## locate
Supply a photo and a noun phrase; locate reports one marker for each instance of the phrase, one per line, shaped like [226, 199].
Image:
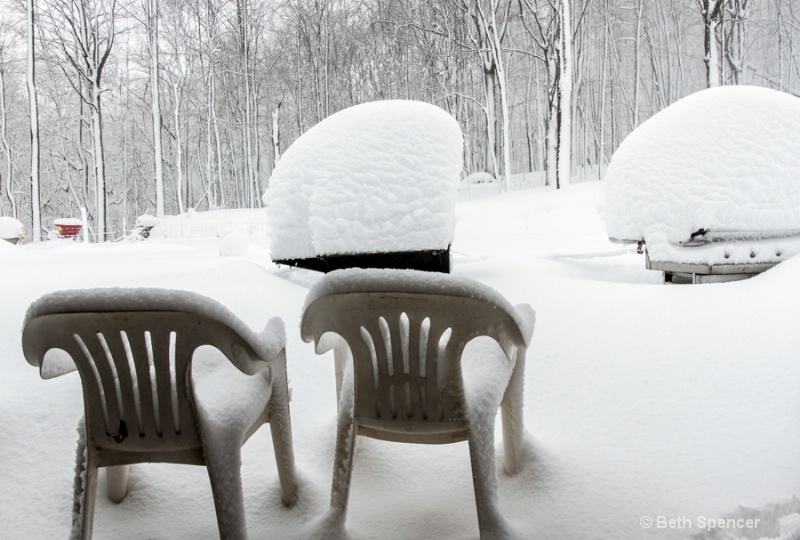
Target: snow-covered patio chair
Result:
[398, 338]
[133, 349]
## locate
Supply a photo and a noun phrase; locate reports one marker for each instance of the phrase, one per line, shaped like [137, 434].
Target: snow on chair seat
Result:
[398, 338]
[133, 349]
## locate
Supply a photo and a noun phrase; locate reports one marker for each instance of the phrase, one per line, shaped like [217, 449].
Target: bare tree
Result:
[151, 11]
[276, 134]
[565, 95]
[86, 31]
[490, 24]
[7, 183]
[542, 23]
[36, 231]
[735, 39]
[711, 12]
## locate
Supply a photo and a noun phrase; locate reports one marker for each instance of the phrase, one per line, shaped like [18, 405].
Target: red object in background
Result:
[68, 231]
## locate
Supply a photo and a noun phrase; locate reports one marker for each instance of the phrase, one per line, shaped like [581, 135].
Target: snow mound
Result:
[476, 185]
[68, 222]
[723, 159]
[375, 178]
[267, 344]
[147, 220]
[11, 228]
[233, 243]
[775, 521]
[479, 178]
[209, 224]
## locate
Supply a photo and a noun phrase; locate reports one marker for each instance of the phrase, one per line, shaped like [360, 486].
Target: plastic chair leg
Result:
[484, 477]
[280, 425]
[511, 410]
[346, 434]
[84, 490]
[227, 491]
[117, 479]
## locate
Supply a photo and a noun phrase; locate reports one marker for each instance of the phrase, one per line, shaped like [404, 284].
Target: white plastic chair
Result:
[404, 332]
[133, 349]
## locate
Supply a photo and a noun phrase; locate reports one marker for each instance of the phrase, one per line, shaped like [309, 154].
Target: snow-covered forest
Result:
[127, 107]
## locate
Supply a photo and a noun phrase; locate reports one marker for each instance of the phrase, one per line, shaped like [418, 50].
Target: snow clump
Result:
[374, 178]
[723, 159]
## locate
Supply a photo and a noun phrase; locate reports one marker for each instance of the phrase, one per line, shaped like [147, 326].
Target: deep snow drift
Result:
[11, 228]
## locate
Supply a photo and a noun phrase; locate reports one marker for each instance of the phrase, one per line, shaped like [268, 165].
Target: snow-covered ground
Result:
[650, 409]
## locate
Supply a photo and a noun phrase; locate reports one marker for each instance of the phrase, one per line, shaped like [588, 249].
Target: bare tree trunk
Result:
[155, 102]
[248, 126]
[495, 38]
[36, 231]
[214, 188]
[601, 150]
[487, 41]
[711, 10]
[736, 39]
[276, 134]
[565, 97]
[86, 34]
[529, 128]
[211, 177]
[779, 11]
[99, 166]
[177, 97]
[8, 184]
[637, 61]
[545, 31]
[551, 139]
[491, 122]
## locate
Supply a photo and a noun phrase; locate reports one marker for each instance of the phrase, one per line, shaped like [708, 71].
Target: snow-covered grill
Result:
[719, 258]
[708, 187]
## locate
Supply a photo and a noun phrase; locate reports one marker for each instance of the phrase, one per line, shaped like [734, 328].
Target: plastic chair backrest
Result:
[135, 372]
[407, 348]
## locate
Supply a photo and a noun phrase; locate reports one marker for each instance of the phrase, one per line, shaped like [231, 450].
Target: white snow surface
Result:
[11, 228]
[374, 178]
[417, 281]
[765, 251]
[67, 221]
[642, 400]
[147, 220]
[267, 344]
[723, 159]
[208, 224]
[479, 178]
